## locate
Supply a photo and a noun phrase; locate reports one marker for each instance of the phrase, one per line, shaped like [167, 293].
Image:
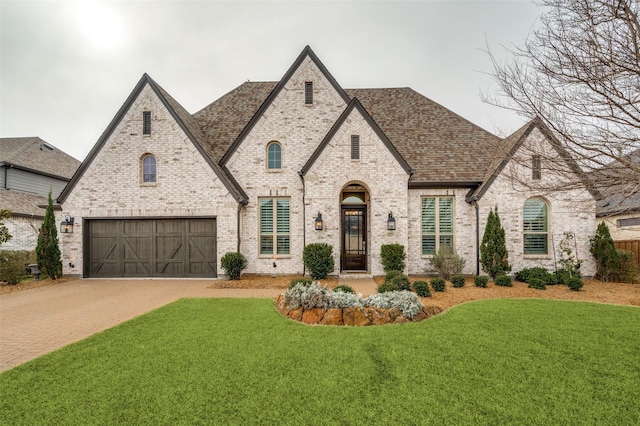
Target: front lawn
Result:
[237, 361]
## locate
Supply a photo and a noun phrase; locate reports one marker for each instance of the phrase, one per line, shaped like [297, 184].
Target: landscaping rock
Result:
[380, 316]
[355, 316]
[333, 316]
[313, 315]
[296, 314]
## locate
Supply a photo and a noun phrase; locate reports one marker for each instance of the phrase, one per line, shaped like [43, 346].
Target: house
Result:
[273, 166]
[30, 168]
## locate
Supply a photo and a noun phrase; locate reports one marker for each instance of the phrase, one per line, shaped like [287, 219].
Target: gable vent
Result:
[355, 147]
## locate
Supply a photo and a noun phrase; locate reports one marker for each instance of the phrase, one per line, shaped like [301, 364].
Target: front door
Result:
[354, 238]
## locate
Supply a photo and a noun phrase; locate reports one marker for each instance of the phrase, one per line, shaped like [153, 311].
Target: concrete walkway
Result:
[38, 321]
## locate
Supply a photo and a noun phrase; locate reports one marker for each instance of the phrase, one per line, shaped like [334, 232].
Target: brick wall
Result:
[24, 232]
[112, 185]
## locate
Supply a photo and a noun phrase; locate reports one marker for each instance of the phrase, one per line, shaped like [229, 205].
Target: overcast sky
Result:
[67, 67]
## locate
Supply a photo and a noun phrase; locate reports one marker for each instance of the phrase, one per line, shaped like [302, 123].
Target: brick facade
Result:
[24, 233]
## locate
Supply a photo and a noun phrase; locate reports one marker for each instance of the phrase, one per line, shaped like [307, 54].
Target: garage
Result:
[171, 248]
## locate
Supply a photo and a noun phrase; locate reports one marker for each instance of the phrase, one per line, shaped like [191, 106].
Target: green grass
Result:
[237, 361]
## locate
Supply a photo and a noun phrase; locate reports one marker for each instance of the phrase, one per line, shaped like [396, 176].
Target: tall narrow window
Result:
[146, 123]
[149, 169]
[355, 147]
[274, 156]
[536, 227]
[274, 226]
[536, 167]
[437, 224]
[308, 92]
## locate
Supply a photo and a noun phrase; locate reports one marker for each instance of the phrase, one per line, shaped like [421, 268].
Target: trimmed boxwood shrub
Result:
[392, 257]
[318, 258]
[457, 281]
[574, 283]
[344, 289]
[401, 281]
[437, 284]
[537, 283]
[422, 289]
[302, 281]
[234, 263]
[387, 286]
[481, 281]
[504, 281]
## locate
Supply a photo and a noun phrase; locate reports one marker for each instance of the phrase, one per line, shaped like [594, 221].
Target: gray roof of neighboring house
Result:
[22, 204]
[440, 146]
[617, 199]
[38, 156]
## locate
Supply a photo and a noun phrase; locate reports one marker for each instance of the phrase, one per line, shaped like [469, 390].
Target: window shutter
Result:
[446, 215]
[266, 216]
[355, 147]
[428, 215]
[146, 123]
[535, 216]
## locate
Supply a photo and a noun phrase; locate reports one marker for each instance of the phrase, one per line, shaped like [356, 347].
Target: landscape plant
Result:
[318, 259]
[457, 281]
[438, 284]
[503, 281]
[446, 262]
[567, 256]
[392, 257]
[344, 288]
[537, 283]
[4, 231]
[48, 250]
[421, 288]
[574, 283]
[494, 256]
[605, 253]
[481, 281]
[234, 263]
[13, 265]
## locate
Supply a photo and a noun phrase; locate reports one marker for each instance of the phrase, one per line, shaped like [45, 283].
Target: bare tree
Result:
[579, 74]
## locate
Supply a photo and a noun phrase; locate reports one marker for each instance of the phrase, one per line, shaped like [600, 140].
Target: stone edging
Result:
[359, 316]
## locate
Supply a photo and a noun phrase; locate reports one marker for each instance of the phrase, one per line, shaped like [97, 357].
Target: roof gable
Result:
[186, 122]
[306, 52]
[356, 105]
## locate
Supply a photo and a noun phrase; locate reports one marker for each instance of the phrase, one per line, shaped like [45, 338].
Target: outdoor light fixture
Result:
[391, 223]
[319, 222]
[66, 226]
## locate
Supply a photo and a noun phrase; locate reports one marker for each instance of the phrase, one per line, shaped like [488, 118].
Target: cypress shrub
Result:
[493, 250]
[48, 250]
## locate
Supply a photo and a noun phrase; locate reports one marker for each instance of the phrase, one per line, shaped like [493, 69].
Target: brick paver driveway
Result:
[38, 321]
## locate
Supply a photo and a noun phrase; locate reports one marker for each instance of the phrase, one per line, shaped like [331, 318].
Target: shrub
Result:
[318, 258]
[387, 286]
[392, 257]
[13, 265]
[402, 282]
[446, 263]
[457, 281]
[437, 284]
[504, 281]
[574, 283]
[389, 276]
[47, 249]
[494, 256]
[481, 281]
[406, 301]
[234, 263]
[604, 252]
[627, 269]
[307, 296]
[340, 299]
[537, 283]
[422, 289]
[344, 289]
[527, 273]
[302, 281]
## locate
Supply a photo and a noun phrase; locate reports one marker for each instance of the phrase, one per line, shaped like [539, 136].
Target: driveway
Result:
[38, 321]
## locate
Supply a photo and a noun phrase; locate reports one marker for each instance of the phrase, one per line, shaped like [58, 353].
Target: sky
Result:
[66, 67]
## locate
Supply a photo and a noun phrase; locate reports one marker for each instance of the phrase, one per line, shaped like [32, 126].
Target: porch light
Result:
[319, 222]
[391, 223]
[66, 226]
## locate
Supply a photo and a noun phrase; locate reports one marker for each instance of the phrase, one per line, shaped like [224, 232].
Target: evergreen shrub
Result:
[574, 283]
[438, 284]
[503, 281]
[387, 286]
[318, 259]
[344, 289]
[234, 263]
[422, 289]
[481, 281]
[300, 280]
[494, 256]
[457, 281]
[13, 265]
[537, 283]
[402, 282]
[392, 257]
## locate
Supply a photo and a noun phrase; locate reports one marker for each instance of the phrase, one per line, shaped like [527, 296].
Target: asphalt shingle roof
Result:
[22, 203]
[35, 154]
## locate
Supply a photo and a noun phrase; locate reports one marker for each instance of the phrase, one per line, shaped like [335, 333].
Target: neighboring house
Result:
[30, 168]
[273, 166]
[619, 207]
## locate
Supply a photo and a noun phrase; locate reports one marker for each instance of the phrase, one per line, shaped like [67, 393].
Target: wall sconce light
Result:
[319, 224]
[66, 226]
[391, 223]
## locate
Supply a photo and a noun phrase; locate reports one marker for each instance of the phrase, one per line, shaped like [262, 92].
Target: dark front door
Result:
[354, 238]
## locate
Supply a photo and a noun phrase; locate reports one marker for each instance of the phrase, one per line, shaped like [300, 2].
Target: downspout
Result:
[241, 204]
[304, 219]
[475, 205]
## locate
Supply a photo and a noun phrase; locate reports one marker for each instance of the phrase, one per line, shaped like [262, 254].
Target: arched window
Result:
[274, 156]
[148, 168]
[536, 226]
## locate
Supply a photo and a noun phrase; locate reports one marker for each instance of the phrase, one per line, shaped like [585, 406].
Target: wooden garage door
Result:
[151, 248]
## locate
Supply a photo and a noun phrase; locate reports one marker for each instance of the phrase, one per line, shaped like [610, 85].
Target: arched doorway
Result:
[353, 200]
